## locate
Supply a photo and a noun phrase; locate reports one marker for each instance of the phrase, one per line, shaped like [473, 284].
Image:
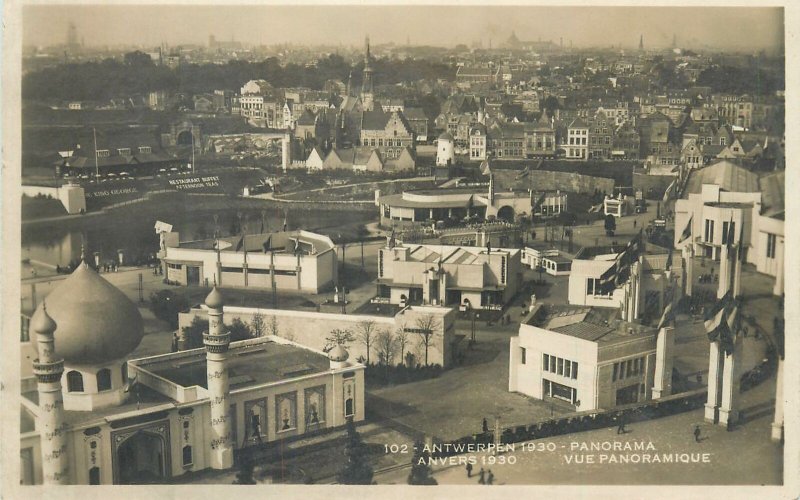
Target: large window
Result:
[104, 380]
[560, 366]
[74, 381]
[709, 231]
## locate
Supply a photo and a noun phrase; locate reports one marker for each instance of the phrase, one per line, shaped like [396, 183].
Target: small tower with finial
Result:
[367, 95]
[216, 342]
[48, 368]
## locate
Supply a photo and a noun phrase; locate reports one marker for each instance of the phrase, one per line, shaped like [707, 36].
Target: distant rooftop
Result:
[248, 365]
[594, 324]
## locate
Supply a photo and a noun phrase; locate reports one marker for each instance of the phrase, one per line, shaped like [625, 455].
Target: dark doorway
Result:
[192, 275]
[94, 475]
[141, 459]
[506, 213]
[184, 138]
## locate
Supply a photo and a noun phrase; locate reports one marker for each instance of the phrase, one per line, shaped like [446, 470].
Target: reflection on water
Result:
[135, 236]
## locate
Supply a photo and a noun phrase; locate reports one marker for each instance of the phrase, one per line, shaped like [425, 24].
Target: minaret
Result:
[48, 368]
[367, 96]
[286, 150]
[216, 341]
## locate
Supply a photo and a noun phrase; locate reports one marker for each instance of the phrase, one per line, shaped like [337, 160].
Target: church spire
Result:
[367, 96]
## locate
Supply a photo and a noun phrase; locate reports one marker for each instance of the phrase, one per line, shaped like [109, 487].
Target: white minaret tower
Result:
[48, 368]
[286, 150]
[216, 342]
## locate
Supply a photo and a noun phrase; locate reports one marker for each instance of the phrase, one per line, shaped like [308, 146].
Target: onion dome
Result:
[41, 322]
[215, 299]
[338, 354]
[446, 136]
[97, 323]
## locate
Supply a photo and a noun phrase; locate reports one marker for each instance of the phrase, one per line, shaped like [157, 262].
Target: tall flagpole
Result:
[96, 167]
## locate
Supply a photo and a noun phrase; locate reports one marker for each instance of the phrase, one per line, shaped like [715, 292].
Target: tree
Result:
[138, 58]
[338, 337]
[246, 468]
[193, 334]
[166, 305]
[402, 340]
[550, 105]
[366, 335]
[386, 344]
[257, 325]
[239, 330]
[610, 224]
[426, 326]
[356, 469]
[273, 326]
[420, 467]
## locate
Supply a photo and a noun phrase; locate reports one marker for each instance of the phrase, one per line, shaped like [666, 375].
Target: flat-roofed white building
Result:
[726, 193]
[474, 277]
[639, 278]
[292, 260]
[588, 358]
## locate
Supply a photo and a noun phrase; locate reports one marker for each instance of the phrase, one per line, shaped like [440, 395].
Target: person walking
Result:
[490, 478]
[481, 476]
[696, 433]
[634, 223]
[621, 426]
[469, 469]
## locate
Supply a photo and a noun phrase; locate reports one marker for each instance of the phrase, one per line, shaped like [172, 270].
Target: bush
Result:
[166, 305]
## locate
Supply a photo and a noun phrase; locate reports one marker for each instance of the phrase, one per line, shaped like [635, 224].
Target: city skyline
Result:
[150, 25]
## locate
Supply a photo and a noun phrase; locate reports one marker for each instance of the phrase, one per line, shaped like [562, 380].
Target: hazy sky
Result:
[728, 27]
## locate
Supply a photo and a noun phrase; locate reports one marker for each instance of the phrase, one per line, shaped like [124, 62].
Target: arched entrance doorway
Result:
[141, 459]
[184, 138]
[506, 213]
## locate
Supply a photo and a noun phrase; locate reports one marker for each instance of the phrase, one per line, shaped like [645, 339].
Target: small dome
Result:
[97, 323]
[42, 322]
[215, 299]
[446, 136]
[338, 354]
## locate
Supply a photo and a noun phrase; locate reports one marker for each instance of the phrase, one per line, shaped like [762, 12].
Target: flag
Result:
[728, 238]
[668, 264]
[666, 316]
[668, 191]
[713, 325]
[687, 231]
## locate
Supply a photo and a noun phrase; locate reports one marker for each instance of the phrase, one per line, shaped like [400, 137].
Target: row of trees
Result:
[138, 74]
[384, 342]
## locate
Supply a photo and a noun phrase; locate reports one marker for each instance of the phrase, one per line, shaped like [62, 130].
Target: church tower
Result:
[216, 342]
[367, 96]
[48, 368]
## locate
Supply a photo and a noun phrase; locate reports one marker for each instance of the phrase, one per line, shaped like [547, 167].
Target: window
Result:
[567, 369]
[145, 149]
[104, 380]
[771, 243]
[560, 370]
[187, 455]
[124, 371]
[709, 231]
[575, 369]
[616, 372]
[74, 381]
[522, 354]
[124, 151]
[103, 153]
[545, 362]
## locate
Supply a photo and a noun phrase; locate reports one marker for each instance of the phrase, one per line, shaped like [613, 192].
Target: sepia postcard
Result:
[326, 250]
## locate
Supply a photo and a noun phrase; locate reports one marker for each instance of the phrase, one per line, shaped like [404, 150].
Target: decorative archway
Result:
[506, 213]
[141, 456]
